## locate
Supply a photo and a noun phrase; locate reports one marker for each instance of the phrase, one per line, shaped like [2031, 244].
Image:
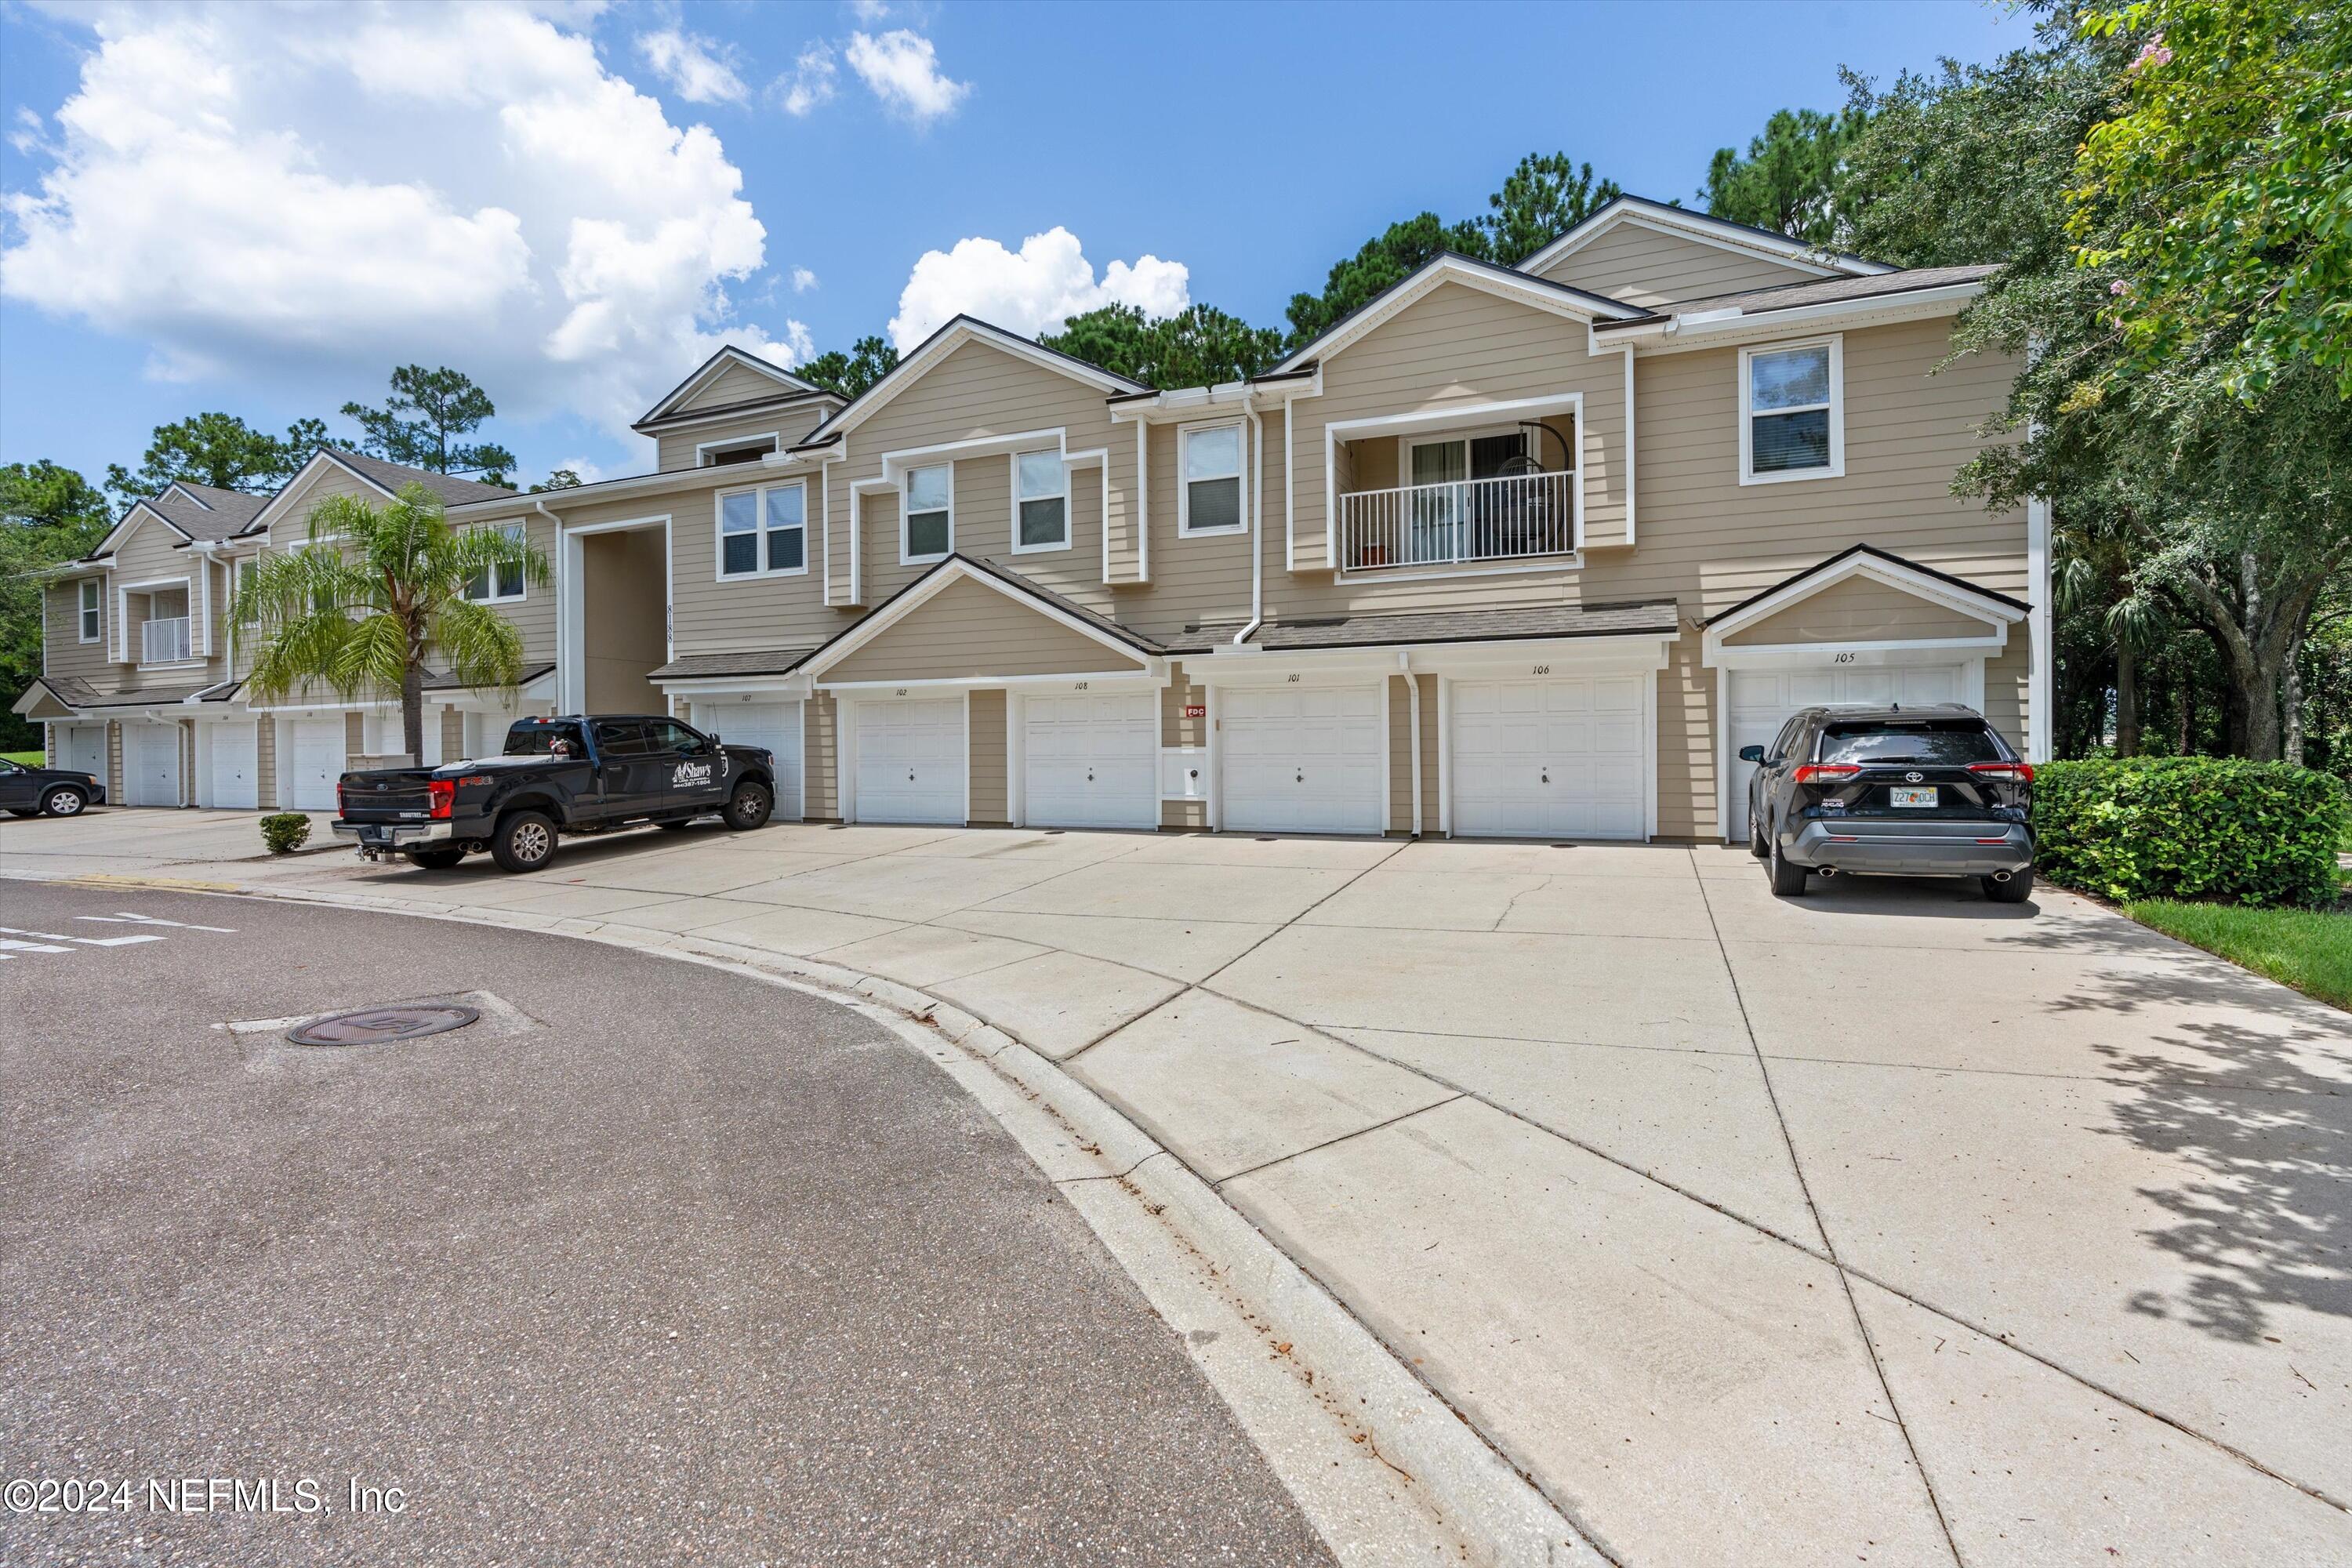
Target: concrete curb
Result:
[1386, 1471]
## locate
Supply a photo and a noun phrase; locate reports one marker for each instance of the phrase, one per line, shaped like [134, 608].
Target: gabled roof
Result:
[386, 478]
[1858, 291]
[1883, 565]
[787, 383]
[1449, 266]
[1703, 226]
[959, 331]
[959, 568]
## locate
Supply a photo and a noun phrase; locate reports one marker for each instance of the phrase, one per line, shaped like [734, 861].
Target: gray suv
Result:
[1904, 792]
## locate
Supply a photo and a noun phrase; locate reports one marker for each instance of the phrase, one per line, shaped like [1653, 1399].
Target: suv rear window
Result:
[1948, 741]
[531, 740]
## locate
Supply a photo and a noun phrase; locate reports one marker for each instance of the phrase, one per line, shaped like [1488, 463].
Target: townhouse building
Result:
[1527, 552]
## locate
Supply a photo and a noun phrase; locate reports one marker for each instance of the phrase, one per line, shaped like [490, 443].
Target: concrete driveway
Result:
[1887, 1225]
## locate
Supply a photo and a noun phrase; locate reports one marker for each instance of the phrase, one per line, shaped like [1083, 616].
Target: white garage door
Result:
[1560, 758]
[1762, 700]
[151, 765]
[776, 726]
[1302, 759]
[236, 766]
[910, 766]
[1090, 761]
[82, 748]
[313, 760]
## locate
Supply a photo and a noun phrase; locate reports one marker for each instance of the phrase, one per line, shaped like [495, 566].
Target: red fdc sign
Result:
[1196, 711]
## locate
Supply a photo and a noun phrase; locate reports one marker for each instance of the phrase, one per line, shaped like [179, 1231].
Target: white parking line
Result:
[125, 917]
[84, 941]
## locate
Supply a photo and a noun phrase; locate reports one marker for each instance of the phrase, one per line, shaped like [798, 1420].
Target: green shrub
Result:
[2189, 828]
[285, 831]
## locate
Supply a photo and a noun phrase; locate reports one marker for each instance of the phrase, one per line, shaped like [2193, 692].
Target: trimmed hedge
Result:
[2189, 828]
[285, 831]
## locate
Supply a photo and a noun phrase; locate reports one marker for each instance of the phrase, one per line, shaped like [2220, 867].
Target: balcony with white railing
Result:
[1512, 517]
[164, 641]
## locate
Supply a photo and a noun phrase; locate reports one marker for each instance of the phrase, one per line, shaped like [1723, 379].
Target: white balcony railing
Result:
[1473, 519]
[163, 642]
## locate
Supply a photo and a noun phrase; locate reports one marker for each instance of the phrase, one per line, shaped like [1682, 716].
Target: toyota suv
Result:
[1903, 792]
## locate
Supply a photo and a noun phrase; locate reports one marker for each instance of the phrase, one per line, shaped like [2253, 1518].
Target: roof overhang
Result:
[1998, 611]
[1715, 329]
[1181, 402]
[40, 701]
[1708, 229]
[1503, 282]
[138, 513]
[963, 330]
[1129, 652]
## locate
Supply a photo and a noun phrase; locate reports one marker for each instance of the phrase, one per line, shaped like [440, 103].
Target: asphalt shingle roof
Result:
[453, 491]
[765, 661]
[1472, 626]
[1815, 291]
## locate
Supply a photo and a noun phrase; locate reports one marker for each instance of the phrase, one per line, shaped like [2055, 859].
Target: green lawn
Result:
[2310, 950]
[30, 759]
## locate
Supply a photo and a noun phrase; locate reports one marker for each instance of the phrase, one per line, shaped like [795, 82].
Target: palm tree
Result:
[375, 592]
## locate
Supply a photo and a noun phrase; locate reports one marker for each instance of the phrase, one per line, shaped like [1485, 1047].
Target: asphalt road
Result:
[653, 1264]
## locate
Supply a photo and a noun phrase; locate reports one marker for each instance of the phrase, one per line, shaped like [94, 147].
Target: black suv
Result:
[1903, 792]
[53, 792]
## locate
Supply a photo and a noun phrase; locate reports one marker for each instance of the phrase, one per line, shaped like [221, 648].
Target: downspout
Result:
[1413, 717]
[1257, 522]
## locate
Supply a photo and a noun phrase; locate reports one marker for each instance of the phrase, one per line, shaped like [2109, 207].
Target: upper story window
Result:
[736, 449]
[1041, 501]
[1792, 412]
[764, 532]
[90, 597]
[1210, 500]
[503, 584]
[927, 510]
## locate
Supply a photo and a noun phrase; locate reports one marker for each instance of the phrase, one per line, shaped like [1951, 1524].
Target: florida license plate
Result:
[1926, 798]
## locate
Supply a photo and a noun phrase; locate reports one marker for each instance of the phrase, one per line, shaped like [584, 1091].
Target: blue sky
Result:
[261, 208]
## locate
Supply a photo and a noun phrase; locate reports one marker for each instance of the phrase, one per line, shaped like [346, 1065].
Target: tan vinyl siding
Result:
[735, 384]
[147, 556]
[1204, 577]
[452, 734]
[534, 615]
[1400, 702]
[984, 722]
[114, 760]
[265, 762]
[621, 601]
[1687, 797]
[354, 734]
[1859, 609]
[2006, 675]
[61, 634]
[788, 422]
[971, 631]
[1433, 741]
[820, 732]
[1642, 266]
[1181, 692]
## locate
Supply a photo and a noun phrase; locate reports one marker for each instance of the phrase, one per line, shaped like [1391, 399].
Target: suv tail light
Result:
[444, 795]
[2012, 773]
[1826, 772]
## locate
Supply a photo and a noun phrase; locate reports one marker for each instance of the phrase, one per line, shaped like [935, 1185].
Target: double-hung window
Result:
[1791, 413]
[1041, 501]
[764, 532]
[501, 582]
[89, 602]
[1210, 500]
[928, 508]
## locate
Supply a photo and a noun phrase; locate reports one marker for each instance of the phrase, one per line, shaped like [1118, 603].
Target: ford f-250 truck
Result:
[575, 773]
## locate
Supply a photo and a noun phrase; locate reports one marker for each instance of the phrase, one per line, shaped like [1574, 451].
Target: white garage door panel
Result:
[151, 765]
[82, 748]
[776, 726]
[1563, 758]
[910, 761]
[315, 761]
[1302, 759]
[1090, 761]
[1762, 700]
[236, 766]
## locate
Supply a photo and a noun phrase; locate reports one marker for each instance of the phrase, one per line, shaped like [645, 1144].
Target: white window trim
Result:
[494, 597]
[702, 449]
[906, 478]
[1063, 496]
[1184, 482]
[1835, 342]
[90, 611]
[759, 532]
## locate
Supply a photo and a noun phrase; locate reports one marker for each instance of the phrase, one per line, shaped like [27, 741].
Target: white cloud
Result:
[696, 69]
[903, 70]
[1033, 289]
[803, 280]
[811, 82]
[257, 192]
[868, 11]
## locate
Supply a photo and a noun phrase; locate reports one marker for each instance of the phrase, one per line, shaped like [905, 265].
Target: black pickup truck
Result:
[578, 774]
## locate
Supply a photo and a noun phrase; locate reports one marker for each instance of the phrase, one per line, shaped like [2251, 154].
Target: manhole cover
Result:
[377, 1025]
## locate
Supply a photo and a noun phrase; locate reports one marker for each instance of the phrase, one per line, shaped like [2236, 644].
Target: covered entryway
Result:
[236, 765]
[777, 726]
[1762, 700]
[1090, 760]
[82, 748]
[313, 760]
[1557, 758]
[1301, 759]
[910, 764]
[151, 765]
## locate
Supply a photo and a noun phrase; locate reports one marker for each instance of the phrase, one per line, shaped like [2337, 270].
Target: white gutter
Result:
[1256, 534]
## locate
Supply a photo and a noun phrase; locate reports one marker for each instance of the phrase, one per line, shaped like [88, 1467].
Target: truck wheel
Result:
[749, 806]
[1788, 881]
[434, 859]
[64, 803]
[524, 842]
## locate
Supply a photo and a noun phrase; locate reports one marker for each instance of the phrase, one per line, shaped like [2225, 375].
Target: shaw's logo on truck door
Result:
[690, 773]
